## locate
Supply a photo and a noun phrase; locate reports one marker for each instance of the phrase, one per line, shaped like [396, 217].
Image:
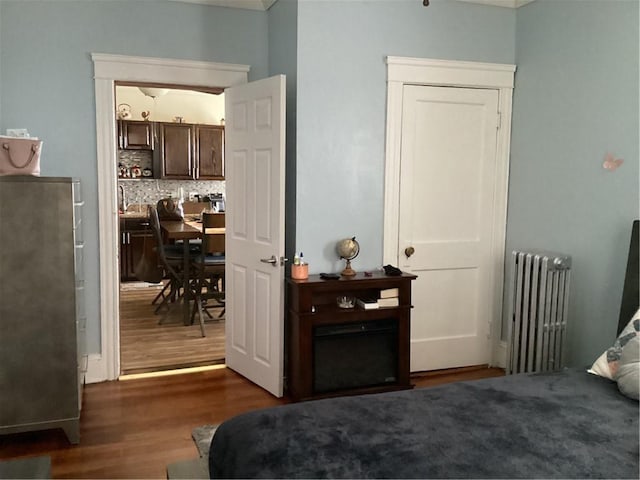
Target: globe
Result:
[348, 249]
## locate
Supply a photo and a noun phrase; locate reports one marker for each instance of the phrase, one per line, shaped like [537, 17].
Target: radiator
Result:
[538, 312]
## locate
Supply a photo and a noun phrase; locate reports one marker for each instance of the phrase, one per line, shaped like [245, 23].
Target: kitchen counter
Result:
[134, 215]
[192, 210]
[135, 211]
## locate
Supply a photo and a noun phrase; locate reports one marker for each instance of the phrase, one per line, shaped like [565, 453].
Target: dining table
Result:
[185, 231]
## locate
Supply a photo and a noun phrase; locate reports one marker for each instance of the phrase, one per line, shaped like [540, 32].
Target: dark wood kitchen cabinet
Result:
[209, 152]
[135, 135]
[176, 152]
[134, 233]
[190, 152]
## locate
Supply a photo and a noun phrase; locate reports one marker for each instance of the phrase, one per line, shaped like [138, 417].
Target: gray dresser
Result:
[42, 307]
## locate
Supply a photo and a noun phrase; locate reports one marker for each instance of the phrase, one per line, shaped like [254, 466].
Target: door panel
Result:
[262, 288]
[446, 213]
[237, 303]
[255, 230]
[264, 222]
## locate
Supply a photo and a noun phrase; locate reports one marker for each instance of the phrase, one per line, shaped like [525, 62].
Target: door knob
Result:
[273, 260]
[409, 251]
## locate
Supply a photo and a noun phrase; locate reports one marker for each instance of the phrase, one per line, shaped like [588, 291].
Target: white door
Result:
[447, 183]
[255, 174]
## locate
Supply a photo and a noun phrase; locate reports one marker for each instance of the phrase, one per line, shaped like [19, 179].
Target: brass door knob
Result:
[409, 251]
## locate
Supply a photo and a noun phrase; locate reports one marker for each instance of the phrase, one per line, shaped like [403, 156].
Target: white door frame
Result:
[403, 71]
[107, 69]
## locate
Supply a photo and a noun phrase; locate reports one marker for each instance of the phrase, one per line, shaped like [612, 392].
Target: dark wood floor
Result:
[147, 345]
[134, 428]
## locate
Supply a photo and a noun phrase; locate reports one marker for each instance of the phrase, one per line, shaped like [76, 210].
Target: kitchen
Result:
[170, 145]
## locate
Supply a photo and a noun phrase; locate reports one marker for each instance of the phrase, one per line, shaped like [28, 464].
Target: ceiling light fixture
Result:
[154, 92]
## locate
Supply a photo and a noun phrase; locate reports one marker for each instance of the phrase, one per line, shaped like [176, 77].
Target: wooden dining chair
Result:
[210, 267]
[172, 260]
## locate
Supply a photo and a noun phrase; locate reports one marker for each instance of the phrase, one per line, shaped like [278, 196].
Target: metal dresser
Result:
[42, 305]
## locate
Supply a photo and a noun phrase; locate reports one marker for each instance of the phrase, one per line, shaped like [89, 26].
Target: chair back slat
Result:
[212, 265]
[213, 243]
[213, 220]
[154, 220]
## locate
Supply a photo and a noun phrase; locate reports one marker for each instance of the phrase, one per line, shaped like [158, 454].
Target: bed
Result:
[566, 424]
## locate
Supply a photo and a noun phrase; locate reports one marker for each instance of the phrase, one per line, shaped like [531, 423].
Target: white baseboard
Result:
[96, 369]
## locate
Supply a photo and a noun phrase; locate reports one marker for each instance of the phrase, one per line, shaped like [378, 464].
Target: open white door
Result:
[255, 183]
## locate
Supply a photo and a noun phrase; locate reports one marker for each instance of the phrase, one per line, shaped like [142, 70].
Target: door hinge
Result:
[498, 121]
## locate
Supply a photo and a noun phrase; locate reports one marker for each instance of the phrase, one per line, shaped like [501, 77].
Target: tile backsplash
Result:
[139, 158]
[149, 190]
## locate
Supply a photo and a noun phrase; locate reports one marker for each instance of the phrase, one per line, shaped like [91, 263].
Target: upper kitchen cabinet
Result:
[135, 135]
[176, 154]
[190, 152]
[209, 152]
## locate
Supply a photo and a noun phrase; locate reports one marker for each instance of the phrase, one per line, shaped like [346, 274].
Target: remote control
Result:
[329, 276]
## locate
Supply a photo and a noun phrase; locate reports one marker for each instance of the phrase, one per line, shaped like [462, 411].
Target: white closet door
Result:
[447, 184]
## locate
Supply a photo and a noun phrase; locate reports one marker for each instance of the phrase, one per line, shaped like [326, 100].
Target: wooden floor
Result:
[147, 346]
[134, 428]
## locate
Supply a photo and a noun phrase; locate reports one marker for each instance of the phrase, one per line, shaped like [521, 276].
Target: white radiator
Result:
[538, 312]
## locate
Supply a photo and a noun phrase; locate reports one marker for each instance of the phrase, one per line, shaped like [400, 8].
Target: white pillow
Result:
[628, 374]
[607, 364]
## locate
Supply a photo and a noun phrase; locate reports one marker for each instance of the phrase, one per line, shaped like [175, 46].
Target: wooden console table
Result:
[328, 347]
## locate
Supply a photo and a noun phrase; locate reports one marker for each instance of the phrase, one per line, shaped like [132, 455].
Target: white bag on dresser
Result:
[20, 156]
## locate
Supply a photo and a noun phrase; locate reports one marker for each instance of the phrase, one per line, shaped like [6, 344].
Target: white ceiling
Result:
[266, 4]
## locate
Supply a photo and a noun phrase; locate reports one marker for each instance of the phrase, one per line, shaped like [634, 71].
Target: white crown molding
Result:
[421, 71]
[266, 4]
[500, 3]
[244, 4]
[145, 69]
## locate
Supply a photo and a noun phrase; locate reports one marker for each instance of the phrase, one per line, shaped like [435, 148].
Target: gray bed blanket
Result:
[568, 424]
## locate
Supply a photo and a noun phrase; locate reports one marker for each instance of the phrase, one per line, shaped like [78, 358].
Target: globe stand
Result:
[348, 271]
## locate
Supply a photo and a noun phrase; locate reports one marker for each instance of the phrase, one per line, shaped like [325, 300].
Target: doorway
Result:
[153, 336]
[107, 70]
[418, 87]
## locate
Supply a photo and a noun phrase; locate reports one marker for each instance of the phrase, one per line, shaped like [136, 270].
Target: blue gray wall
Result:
[575, 99]
[283, 59]
[342, 106]
[47, 78]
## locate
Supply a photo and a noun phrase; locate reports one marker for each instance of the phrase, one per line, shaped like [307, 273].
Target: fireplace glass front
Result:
[355, 355]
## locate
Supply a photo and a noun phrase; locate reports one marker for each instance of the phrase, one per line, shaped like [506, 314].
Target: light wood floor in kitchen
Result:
[147, 346]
